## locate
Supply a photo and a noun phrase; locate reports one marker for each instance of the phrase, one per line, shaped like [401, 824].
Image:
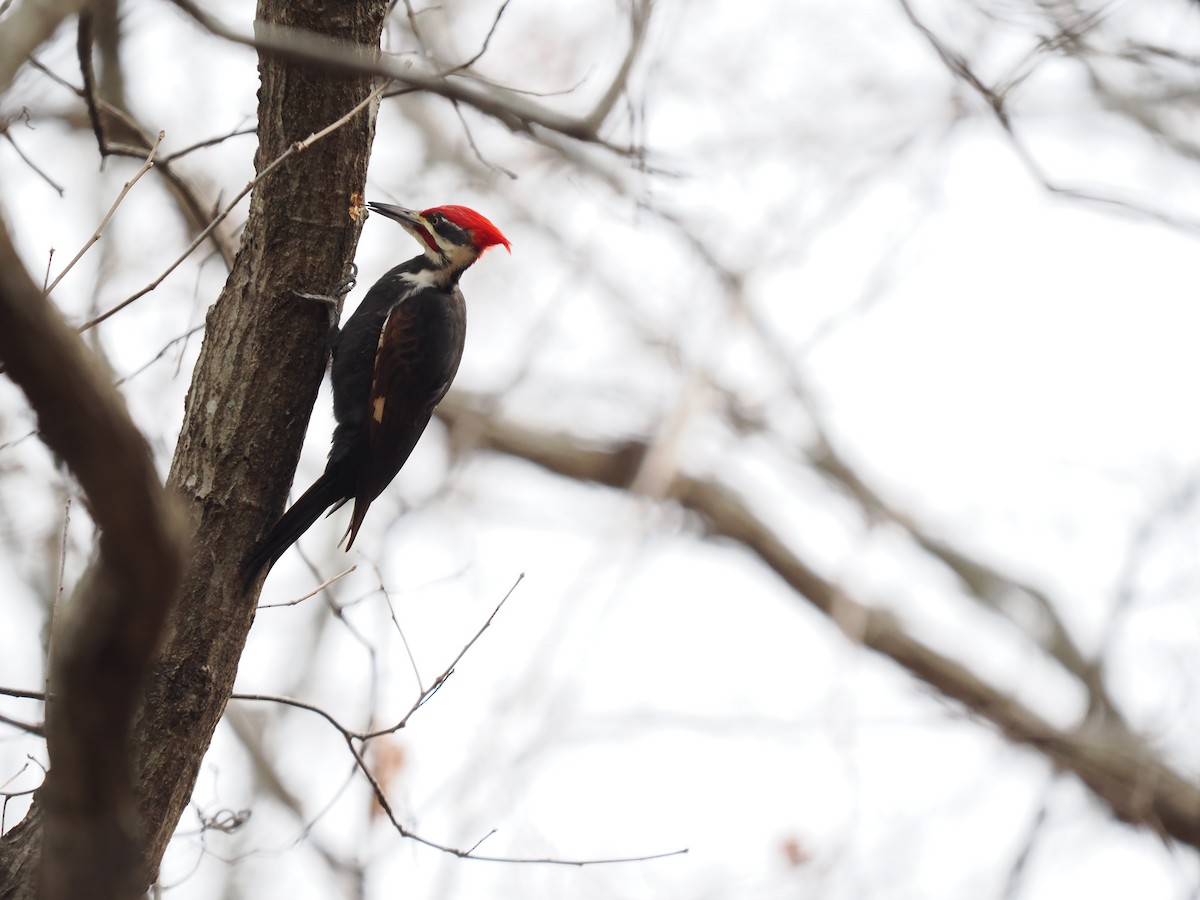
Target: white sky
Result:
[1021, 381]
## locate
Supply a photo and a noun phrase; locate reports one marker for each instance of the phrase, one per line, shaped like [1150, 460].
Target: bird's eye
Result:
[435, 218]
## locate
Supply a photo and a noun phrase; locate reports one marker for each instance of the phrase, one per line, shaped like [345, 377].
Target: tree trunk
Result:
[252, 391]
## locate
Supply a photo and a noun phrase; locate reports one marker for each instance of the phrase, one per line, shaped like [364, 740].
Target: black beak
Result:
[397, 213]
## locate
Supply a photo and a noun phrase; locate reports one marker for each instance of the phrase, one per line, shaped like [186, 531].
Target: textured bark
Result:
[247, 409]
[20, 851]
[253, 390]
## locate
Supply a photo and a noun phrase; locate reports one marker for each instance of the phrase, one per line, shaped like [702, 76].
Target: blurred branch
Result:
[516, 112]
[83, 46]
[105, 639]
[1022, 605]
[1009, 597]
[357, 741]
[1019, 871]
[427, 693]
[297, 147]
[487, 40]
[207, 142]
[6, 130]
[99, 232]
[269, 781]
[639, 18]
[1148, 110]
[26, 28]
[22, 694]
[195, 210]
[996, 99]
[1116, 764]
[29, 727]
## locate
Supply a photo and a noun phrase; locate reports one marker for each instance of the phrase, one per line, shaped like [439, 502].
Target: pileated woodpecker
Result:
[392, 364]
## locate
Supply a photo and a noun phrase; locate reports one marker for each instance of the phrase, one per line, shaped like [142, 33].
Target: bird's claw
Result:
[333, 301]
[345, 287]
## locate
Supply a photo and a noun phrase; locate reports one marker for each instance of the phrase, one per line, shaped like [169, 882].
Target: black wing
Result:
[419, 350]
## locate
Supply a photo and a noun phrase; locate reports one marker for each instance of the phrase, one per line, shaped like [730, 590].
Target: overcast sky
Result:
[1014, 369]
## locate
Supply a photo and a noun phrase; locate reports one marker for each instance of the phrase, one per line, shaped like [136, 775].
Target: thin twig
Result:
[193, 208]
[21, 694]
[495, 167]
[351, 737]
[21, 771]
[209, 142]
[487, 40]
[479, 843]
[382, 800]
[29, 162]
[320, 587]
[229, 207]
[297, 704]
[516, 114]
[104, 222]
[62, 552]
[9, 795]
[159, 355]
[412, 659]
[996, 101]
[441, 679]
[38, 730]
[423, 698]
[354, 740]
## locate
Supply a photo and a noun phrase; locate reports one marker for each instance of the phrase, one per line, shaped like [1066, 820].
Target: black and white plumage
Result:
[393, 362]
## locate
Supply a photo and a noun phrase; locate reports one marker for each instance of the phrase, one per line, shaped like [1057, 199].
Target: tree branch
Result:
[253, 387]
[517, 113]
[28, 27]
[1115, 763]
[104, 640]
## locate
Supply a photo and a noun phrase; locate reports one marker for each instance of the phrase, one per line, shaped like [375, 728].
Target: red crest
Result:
[484, 232]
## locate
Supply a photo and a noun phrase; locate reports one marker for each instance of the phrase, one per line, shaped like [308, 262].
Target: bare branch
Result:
[320, 587]
[486, 41]
[83, 46]
[1115, 763]
[54, 185]
[515, 112]
[1007, 596]
[209, 142]
[229, 207]
[26, 28]
[356, 740]
[99, 232]
[194, 209]
[22, 694]
[996, 101]
[38, 730]
[428, 692]
[106, 637]
[62, 553]
[639, 16]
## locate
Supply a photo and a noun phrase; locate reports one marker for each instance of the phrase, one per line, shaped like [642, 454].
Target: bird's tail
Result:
[324, 493]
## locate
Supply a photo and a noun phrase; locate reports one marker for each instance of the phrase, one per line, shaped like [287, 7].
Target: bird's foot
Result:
[333, 301]
[345, 287]
[339, 291]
